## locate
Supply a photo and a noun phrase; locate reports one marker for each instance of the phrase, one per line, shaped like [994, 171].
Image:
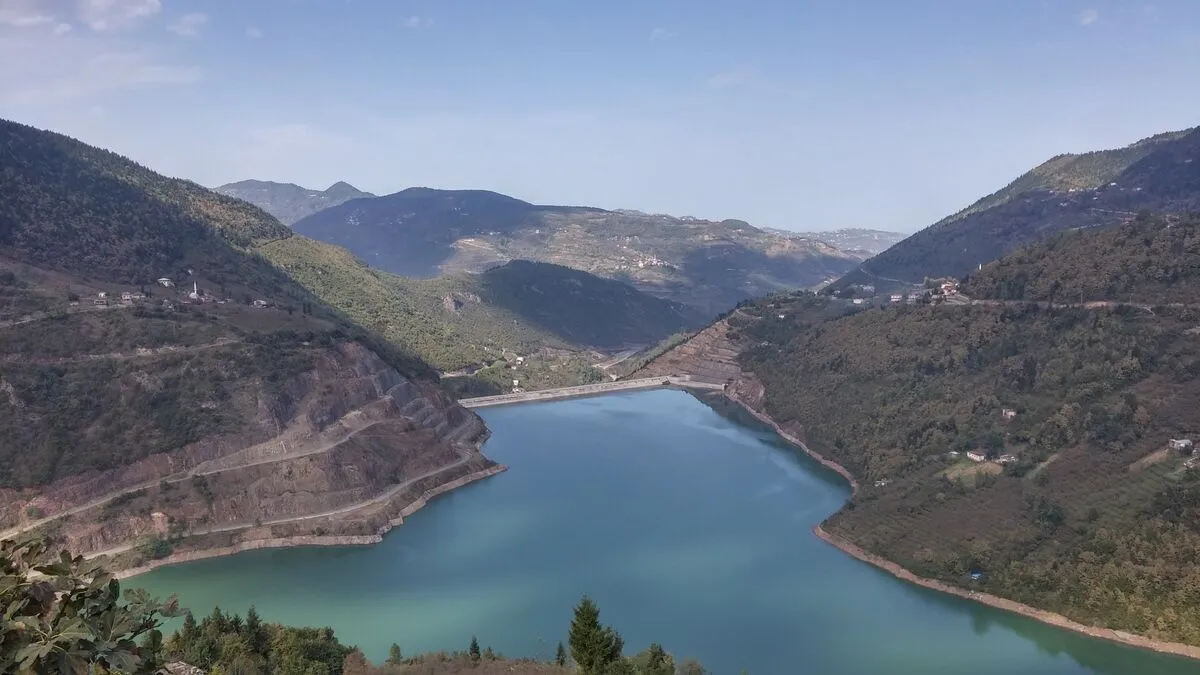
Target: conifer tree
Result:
[394, 656]
[474, 650]
[560, 656]
[593, 646]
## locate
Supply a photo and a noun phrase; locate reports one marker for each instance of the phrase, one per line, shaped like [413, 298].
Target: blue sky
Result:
[797, 114]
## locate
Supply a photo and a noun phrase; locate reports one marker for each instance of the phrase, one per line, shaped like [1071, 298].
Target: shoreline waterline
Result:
[846, 547]
[997, 602]
[314, 540]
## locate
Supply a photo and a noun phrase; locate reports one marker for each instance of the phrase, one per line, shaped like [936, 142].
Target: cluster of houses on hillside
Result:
[195, 296]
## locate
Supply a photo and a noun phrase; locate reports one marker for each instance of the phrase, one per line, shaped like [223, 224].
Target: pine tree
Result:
[560, 656]
[658, 662]
[474, 650]
[394, 656]
[190, 630]
[593, 646]
[254, 632]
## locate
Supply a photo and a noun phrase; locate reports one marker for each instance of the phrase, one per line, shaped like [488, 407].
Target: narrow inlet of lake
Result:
[687, 527]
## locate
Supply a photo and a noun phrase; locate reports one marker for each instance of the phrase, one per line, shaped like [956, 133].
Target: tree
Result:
[692, 667]
[593, 646]
[560, 655]
[654, 661]
[474, 650]
[394, 656]
[254, 632]
[69, 616]
[356, 664]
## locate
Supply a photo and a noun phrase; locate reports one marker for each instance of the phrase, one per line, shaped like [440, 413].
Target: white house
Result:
[896, 297]
[1007, 459]
[976, 456]
[1008, 413]
[1181, 444]
[166, 282]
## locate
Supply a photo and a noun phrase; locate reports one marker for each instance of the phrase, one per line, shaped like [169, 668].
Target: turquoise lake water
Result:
[686, 527]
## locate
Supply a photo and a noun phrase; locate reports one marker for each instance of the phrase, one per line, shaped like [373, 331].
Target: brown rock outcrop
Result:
[343, 447]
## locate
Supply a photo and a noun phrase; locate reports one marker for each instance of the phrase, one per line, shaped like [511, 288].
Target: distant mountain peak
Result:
[342, 187]
[290, 202]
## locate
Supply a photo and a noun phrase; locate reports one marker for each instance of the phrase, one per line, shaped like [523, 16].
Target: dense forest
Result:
[1151, 260]
[67, 616]
[1090, 512]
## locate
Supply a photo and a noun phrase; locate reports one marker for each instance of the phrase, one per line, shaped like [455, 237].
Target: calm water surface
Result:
[686, 527]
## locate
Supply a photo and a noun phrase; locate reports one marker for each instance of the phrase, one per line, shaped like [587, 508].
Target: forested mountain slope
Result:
[421, 232]
[161, 380]
[289, 202]
[552, 316]
[1092, 514]
[1095, 190]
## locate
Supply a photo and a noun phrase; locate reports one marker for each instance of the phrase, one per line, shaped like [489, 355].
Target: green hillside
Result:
[1148, 261]
[518, 309]
[92, 381]
[1072, 172]
[1096, 190]
[1091, 513]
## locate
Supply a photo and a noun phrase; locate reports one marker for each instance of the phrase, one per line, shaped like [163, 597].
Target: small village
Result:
[936, 292]
[172, 297]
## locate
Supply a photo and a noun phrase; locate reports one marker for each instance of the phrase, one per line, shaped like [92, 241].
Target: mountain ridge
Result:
[289, 202]
[1093, 190]
[711, 265]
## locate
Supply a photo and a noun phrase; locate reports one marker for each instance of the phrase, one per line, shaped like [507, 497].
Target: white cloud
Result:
[254, 33]
[189, 25]
[62, 29]
[415, 21]
[78, 68]
[106, 15]
[1088, 17]
[22, 15]
[663, 34]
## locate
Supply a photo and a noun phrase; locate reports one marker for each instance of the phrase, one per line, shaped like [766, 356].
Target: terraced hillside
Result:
[421, 232]
[164, 389]
[1078, 503]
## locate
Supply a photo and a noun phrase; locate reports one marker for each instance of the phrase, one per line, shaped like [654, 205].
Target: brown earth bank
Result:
[253, 538]
[712, 355]
[346, 449]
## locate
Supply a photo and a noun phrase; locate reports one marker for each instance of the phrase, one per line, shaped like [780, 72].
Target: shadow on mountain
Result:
[581, 308]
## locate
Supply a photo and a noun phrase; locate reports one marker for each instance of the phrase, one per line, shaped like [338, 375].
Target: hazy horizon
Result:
[800, 116]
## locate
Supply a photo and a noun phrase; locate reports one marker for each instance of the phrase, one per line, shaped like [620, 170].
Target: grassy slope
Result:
[1094, 521]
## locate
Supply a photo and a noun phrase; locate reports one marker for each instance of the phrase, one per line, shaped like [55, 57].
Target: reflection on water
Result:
[688, 527]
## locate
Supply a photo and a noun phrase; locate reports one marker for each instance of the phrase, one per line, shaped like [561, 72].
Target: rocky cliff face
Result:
[325, 452]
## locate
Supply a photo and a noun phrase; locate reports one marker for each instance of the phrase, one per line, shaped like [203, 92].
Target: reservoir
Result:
[688, 527]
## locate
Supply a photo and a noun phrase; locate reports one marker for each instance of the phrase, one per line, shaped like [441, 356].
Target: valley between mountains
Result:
[184, 375]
